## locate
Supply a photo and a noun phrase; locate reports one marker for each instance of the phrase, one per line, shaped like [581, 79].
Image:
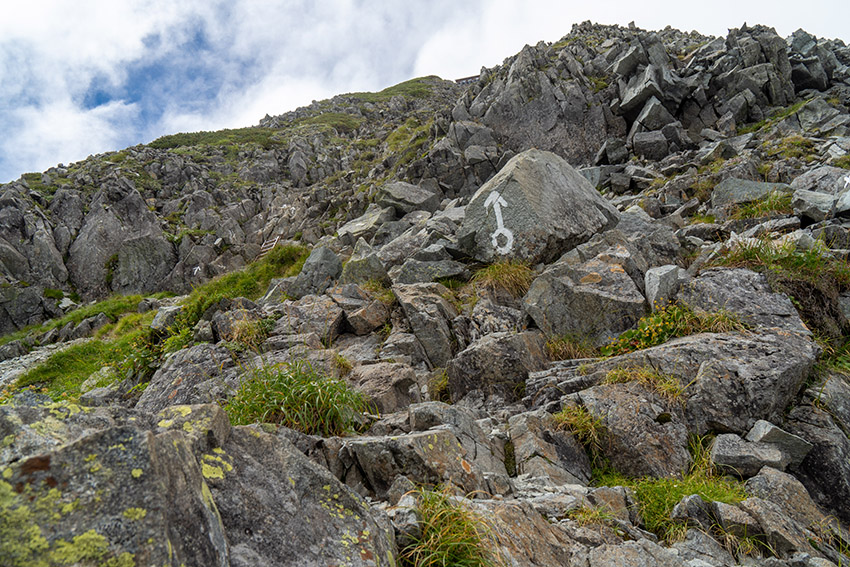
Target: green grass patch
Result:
[810, 266]
[339, 121]
[777, 116]
[254, 135]
[775, 203]
[812, 278]
[61, 375]
[512, 276]
[251, 282]
[669, 322]
[451, 535]
[438, 387]
[657, 497]
[794, 146]
[114, 307]
[842, 162]
[414, 88]
[297, 396]
[699, 218]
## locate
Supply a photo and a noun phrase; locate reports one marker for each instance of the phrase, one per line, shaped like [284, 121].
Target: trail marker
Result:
[497, 202]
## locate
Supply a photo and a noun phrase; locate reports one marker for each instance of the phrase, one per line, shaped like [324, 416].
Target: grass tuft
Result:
[570, 346]
[588, 430]
[511, 276]
[451, 534]
[776, 202]
[665, 385]
[297, 396]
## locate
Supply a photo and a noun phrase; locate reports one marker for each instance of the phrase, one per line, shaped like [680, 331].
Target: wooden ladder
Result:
[268, 246]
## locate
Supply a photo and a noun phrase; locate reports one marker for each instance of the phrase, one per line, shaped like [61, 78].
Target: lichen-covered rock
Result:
[371, 464]
[541, 450]
[388, 385]
[200, 374]
[732, 380]
[535, 209]
[481, 449]
[406, 198]
[596, 298]
[146, 503]
[745, 459]
[744, 293]
[280, 508]
[825, 472]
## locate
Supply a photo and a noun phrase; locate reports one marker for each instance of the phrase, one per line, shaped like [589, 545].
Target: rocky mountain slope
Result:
[611, 272]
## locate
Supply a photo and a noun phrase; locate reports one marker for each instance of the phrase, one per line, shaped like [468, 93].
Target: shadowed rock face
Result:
[403, 196]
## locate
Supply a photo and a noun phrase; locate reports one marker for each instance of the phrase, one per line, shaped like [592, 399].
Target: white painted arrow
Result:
[846, 181]
[497, 202]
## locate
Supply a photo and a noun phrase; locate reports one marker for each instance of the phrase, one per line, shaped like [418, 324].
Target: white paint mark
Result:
[846, 181]
[196, 271]
[498, 202]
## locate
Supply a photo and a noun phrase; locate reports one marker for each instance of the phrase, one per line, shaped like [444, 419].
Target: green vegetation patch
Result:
[113, 307]
[669, 322]
[776, 203]
[414, 88]
[251, 282]
[842, 162]
[665, 385]
[63, 373]
[299, 397]
[511, 276]
[587, 429]
[657, 496]
[451, 534]
[794, 146]
[132, 347]
[339, 121]
[263, 137]
[570, 346]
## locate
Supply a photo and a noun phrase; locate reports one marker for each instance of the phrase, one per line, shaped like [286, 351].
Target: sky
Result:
[89, 76]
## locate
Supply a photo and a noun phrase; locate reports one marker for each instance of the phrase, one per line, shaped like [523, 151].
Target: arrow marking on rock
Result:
[497, 202]
[846, 181]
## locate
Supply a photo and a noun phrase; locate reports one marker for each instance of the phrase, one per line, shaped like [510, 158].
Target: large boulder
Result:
[543, 450]
[497, 365]
[280, 508]
[535, 209]
[733, 191]
[644, 434]
[117, 213]
[825, 472]
[200, 374]
[597, 298]
[732, 380]
[406, 198]
[370, 465]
